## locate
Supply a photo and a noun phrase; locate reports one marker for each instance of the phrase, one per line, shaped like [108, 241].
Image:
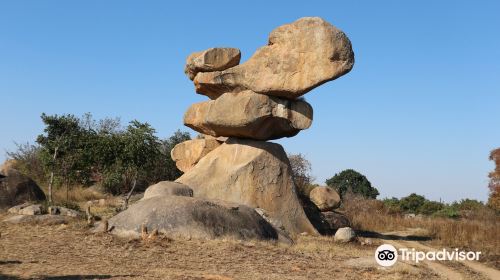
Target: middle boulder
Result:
[251, 115]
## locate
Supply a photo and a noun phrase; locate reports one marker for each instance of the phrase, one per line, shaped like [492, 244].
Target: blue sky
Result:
[419, 112]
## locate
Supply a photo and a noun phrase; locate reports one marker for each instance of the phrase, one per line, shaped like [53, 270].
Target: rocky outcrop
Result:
[325, 198]
[249, 115]
[241, 185]
[253, 173]
[16, 188]
[299, 57]
[166, 188]
[188, 153]
[188, 217]
[213, 59]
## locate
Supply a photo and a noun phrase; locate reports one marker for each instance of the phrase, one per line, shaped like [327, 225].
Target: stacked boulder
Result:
[233, 168]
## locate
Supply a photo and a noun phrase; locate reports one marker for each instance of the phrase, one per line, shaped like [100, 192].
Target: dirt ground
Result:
[73, 252]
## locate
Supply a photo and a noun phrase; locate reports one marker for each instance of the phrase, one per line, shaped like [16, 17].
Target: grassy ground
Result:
[480, 232]
[72, 252]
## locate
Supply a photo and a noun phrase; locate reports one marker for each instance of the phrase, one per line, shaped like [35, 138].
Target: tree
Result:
[430, 207]
[350, 180]
[141, 149]
[301, 170]
[494, 186]
[412, 203]
[61, 148]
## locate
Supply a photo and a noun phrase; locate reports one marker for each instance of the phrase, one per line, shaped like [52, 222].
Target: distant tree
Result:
[27, 159]
[467, 205]
[412, 203]
[430, 207]
[301, 171]
[494, 186]
[392, 205]
[350, 180]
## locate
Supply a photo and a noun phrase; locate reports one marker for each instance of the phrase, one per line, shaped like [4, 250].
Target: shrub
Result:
[352, 181]
[430, 207]
[412, 203]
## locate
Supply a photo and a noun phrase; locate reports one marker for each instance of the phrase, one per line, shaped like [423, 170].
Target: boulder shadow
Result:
[372, 234]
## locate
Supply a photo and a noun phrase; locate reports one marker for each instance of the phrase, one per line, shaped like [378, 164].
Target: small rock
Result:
[344, 235]
[187, 154]
[102, 202]
[63, 211]
[366, 241]
[17, 208]
[31, 210]
[213, 59]
[325, 198]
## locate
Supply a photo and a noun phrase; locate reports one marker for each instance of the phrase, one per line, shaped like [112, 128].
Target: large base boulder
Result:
[16, 188]
[253, 173]
[181, 216]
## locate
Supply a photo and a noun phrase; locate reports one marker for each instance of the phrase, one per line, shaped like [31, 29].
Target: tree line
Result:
[84, 151]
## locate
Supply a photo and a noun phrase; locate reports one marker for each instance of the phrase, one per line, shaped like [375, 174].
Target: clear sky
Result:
[419, 112]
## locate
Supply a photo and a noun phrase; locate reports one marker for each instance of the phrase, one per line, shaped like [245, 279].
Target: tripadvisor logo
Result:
[387, 255]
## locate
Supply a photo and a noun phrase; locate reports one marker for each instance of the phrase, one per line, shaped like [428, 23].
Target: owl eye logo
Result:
[386, 255]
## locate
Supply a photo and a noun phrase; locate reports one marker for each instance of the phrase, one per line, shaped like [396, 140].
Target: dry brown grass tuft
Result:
[76, 194]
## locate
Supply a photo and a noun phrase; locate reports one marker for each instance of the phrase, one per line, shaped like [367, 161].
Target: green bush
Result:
[447, 212]
[350, 180]
[430, 207]
[412, 203]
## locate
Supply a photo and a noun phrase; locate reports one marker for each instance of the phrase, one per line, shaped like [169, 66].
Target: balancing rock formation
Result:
[235, 182]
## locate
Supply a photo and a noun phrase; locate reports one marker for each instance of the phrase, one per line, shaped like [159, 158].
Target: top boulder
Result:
[213, 59]
[299, 57]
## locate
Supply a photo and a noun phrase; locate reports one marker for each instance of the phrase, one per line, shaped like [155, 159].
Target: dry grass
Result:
[76, 194]
[479, 232]
[60, 252]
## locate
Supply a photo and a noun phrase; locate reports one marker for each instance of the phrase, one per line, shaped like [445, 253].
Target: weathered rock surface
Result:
[213, 59]
[35, 209]
[182, 216]
[16, 188]
[188, 153]
[344, 235]
[63, 211]
[249, 115]
[17, 208]
[325, 198]
[333, 221]
[167, 188]
[299, 57]
[38, 219]
[253, 173]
